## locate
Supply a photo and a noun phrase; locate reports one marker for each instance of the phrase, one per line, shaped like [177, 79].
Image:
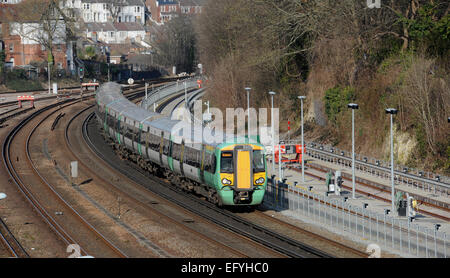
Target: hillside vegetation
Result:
[336, 52]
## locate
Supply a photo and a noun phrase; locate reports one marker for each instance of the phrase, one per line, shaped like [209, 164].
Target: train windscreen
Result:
[226, 162]
[258, 162]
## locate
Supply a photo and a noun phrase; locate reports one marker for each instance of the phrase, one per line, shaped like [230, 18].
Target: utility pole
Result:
[303, 143]
[392, 112]
[353, 106]
[273, 135]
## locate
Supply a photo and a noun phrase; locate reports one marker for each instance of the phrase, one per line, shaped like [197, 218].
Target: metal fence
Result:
[397, 234]
[374, 161]
[380, 170]
[164, 91]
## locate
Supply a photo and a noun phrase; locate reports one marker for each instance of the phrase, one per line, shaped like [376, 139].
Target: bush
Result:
[17, 80]
[336, 99]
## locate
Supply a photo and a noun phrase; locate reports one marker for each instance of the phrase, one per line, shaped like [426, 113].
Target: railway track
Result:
[41, 204]
[429, 182]
[7, 239]
[188, 222]
[12, 247]
[200, 207]
[372, 191]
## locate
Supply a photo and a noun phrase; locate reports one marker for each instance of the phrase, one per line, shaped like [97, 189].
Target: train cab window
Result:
[258, 162]
[226, 162]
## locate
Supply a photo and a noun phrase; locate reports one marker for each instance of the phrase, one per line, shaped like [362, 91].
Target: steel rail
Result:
[258, 233]
[60, 198]
[383, 169]
[142, 204]
[19, 183]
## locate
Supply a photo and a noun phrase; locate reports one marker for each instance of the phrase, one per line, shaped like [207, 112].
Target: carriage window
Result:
[226, 162]
[176, 151]
[154, 142]
[210, 163]
[258, 162]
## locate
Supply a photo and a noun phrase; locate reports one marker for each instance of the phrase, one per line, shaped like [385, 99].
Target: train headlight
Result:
[226, 181]
[260, 181]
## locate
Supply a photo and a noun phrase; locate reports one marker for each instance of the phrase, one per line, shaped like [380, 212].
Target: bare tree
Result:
[42, 22]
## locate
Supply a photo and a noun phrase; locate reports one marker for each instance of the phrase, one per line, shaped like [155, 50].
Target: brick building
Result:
[21, 41]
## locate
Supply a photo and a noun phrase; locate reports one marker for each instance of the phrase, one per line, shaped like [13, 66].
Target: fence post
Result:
[409, 239]
[417, 240]
[392, 234]
[384, 230]
[319, 197]
[400, 233]
[435, 243]
[378, 240]
[307, 203]
[445, 245]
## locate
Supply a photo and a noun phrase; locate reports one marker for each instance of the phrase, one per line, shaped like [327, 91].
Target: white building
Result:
[10, 1]
[108, 10]
[115, 33]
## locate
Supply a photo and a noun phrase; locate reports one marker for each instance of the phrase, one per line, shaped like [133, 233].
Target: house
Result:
[108, 10]
[10, 1]
[164, 10]
[191, 7]
[115, 33]
[25, 41]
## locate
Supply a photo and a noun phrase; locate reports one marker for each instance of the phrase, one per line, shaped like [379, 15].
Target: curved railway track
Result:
[174, 220]
[7, 239]
[227, 219]
[260, 236]
[364, 190]
[36, 200]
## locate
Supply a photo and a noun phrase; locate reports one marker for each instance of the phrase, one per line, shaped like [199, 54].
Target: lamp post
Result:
[353, 106]
[49, 92]
[392, 112]
[185, 95]
[273, 135]
[303, 143]
[248, 89]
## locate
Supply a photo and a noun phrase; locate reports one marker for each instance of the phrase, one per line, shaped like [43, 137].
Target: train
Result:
[231, 172]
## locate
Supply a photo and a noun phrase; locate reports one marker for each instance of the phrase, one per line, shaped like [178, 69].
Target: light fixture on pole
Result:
[248, 89]
[273, 135]
[353, 106]
[392, 112]
[303, 143]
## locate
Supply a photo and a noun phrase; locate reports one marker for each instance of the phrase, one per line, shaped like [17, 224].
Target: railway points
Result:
[166, 104]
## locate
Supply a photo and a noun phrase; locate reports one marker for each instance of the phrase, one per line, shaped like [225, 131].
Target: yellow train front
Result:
[241, 177]
[230, 173]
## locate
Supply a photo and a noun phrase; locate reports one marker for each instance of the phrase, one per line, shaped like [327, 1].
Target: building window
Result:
[11, 47]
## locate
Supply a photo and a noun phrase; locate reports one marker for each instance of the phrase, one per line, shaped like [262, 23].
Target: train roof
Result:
[110, 95]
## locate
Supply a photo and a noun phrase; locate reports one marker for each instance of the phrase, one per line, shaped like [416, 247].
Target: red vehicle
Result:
[289, 153]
